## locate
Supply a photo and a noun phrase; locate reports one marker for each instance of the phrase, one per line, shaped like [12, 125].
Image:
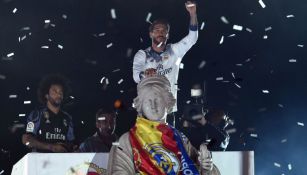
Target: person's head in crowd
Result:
[154, 99]
[105, 121]
[53, 89]
[159, 31]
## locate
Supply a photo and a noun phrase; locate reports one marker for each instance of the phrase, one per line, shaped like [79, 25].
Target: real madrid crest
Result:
[46, 115]
[65, 122]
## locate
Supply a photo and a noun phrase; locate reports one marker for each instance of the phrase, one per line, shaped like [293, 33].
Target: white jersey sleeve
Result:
[185, 44]
[139, 65]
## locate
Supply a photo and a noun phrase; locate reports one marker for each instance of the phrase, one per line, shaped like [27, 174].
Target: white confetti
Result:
[202, 64]
[237, 85]
[115, 70]
[12, 96]
[265, 91]
[265, 37]
[292, 60]
[129, 52]
[300, 124]
[222, 40]
[27, 102]
[283, 140]
[300, 45]
[254, 135]
[47, 21]
[202, 26]
[232, 35]
[277, 164]
[290, 16]
[82, 122]
[178, 62]
[268, 28]
[237, 27]
[223, 18]
[120, 81]
[28, 88]
[262, 3]
[115, 143]
[219, 78]
[10, 54]
[71, 97]
[148, 17]
[248, 60]
[113, 14]
[160, 44]
[21, 115]
[289, 166]
[190, 5]
[107, 81]
[121, 91]
[109, 45]
[52, 25]
[60, 46]
[49, 40]
[101, 81]
[45, 47]
[181, 66]
[101, 118]
[188, 102]
[40, 131]
[101, 34]
[233, 75]
[23, 37]
[25, 28]
[64, 16]
[2, 77]
[15, 10]
[27, 143]
[239, 64]
[280, 105]
[231, 130]
[249, 30]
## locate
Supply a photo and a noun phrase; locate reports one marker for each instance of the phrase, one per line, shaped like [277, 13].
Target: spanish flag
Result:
[158, 149]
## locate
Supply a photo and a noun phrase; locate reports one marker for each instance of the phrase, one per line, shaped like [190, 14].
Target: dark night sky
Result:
[257, 64]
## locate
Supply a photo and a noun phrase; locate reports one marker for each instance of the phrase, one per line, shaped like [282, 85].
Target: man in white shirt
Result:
[164, 59]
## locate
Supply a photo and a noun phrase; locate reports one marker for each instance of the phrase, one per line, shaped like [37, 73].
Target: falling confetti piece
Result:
[148, 17]
[249, 30]
[292, 60]
[300, 124]
[219, 78]
[27, 102]
[290, 16]
[2, 172]
[129, 52]
[10, 54]
[121, 91]
[300, 45]
[101, 118]
[254, 135]
[262, 3]
[265, 37]
[280, 105]
[190, 5]
[237, 27]
[181, 66]
[109, 45]
[15, 10]
[237, 85]
[101, 81]
[265, 91]
[21, 115]
[202, 64]
[113, 14]
[27, 143]
[202, 26]
[60, 46]
[289, 167]
[47, 21]
[160, 44]
[116, 70]
[223, 18]
[268, 29]
[2, 77]
[231, 130]
[115, 143]
[232, 35]
[188, 102]
[277, 164]
[233, 75]
[222, 40]
[64, 16]
[82, 122]
[45, 47]
[120, 81]
[12, 96]
[101, 34]
[283, 140]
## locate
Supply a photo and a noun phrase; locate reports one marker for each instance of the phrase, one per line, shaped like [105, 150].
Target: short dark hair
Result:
[47, 82]
[105, 111]
[159, 21]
